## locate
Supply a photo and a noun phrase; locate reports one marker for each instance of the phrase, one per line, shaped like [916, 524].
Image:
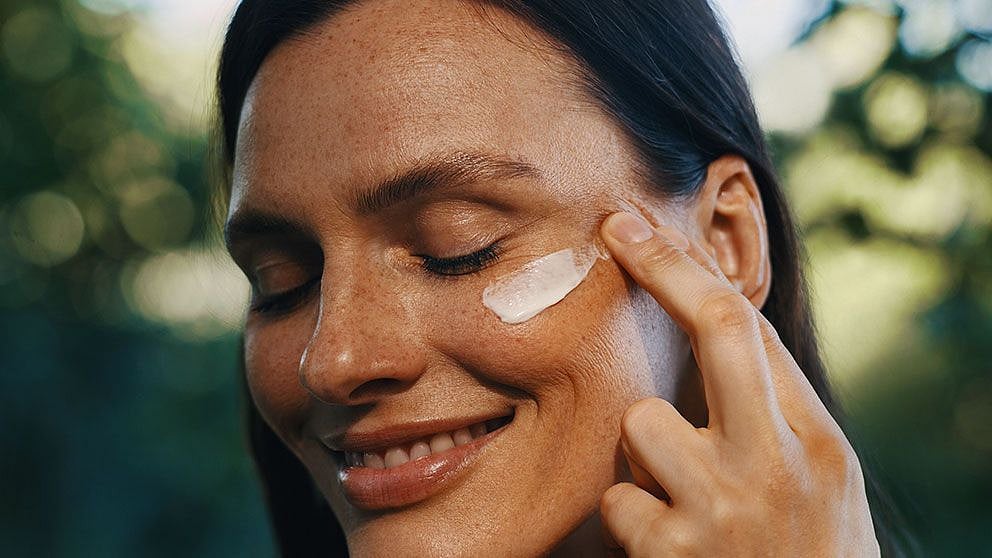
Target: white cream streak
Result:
[541, 283]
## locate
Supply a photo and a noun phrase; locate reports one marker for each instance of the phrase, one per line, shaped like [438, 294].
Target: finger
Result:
[696, 252]
[701, 257]
[802, 407]
[643, 479]
[629, 516]
[800, 404]
[719, 320]
[665, 452]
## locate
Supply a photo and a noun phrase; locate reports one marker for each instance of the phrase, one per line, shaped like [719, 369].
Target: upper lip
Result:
[396, 434]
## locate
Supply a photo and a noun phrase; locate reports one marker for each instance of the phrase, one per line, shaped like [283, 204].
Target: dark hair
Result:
[666, 72]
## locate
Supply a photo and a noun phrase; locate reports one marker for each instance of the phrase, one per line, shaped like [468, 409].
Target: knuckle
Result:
[727, 311]
[618, 501]
[632, 418]
[680, 542]
[784, 477]
[657, 257]
[647, 419]
[724, 513]
[611, 503]
[781, 474]
[608, 505]
[833, 454]
[654, 531]
[653, 407]
[771, 338]
[644, 411]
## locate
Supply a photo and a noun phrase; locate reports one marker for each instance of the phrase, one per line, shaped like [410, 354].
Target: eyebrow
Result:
[250, 223]
[450, 170]
[433, 173]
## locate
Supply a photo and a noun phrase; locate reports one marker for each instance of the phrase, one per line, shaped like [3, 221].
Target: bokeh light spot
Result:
[156, 213]
[829, 175]
[974, 15]
[854, 44]
[111, 7]
[974, 63]
[199, 292]
[867, 298]
[792, 94]
[896, 107]
[928, 27]
[36, 46]
[46, 228]
[131, 156]
[956, 109]
[933, 202]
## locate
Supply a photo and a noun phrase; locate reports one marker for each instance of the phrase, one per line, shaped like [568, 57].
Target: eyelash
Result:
[285, 302]
[462, 265]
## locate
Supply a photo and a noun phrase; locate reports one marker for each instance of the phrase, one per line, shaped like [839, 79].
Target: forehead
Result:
[385, 83]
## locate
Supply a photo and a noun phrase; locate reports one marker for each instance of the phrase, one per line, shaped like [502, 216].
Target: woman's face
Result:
[365, 337]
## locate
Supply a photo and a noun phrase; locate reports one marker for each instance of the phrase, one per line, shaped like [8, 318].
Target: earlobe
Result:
[732, 221]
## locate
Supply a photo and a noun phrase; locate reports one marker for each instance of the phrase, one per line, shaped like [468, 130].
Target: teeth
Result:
[418, 450]
[373, 461]
[396, 457]
[440, 442]
[462, 436]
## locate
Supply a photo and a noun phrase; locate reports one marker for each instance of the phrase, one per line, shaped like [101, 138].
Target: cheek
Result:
[592, 348]
[272, 359]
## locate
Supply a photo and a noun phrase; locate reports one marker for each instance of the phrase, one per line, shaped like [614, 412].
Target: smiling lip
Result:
[374, 483]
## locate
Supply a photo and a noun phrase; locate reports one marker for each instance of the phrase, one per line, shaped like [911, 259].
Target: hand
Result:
[772, 474]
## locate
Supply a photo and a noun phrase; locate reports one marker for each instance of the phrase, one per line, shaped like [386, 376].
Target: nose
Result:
[363, 346]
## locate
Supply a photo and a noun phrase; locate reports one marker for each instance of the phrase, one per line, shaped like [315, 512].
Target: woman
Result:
[403, 173]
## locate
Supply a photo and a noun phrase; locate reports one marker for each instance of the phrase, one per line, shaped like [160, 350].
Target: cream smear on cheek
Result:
[541, 283]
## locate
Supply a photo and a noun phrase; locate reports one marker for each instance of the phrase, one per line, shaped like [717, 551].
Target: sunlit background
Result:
[119, 311]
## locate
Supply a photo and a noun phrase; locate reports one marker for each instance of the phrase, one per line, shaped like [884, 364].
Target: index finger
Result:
[719, 320]
[799, 402]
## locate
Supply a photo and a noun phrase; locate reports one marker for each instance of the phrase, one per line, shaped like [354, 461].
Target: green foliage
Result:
[921, 407]
[119, 438]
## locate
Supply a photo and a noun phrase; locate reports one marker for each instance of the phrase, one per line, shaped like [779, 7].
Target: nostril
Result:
[377, 388]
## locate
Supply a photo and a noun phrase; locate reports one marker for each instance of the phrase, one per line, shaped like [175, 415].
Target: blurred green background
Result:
[119, 313]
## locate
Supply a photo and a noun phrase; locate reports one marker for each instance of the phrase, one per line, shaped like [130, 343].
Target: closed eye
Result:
[462, 265]
[282, 303]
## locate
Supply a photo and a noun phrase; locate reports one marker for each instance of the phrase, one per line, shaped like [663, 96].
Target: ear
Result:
[731, 219]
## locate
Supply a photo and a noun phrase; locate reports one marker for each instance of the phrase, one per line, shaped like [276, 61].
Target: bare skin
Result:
[373, 338]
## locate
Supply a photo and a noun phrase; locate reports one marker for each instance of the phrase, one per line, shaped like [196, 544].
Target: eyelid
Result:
[279, 276]
[262, 253]
[280, 304]
[465, 264]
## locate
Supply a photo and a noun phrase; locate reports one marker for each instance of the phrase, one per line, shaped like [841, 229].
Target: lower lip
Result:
[411, 482]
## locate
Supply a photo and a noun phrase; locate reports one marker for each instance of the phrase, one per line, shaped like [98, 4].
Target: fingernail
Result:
[627, 228]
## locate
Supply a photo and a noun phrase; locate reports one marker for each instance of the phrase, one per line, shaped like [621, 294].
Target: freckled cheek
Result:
[272, 359]
[585, 346]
